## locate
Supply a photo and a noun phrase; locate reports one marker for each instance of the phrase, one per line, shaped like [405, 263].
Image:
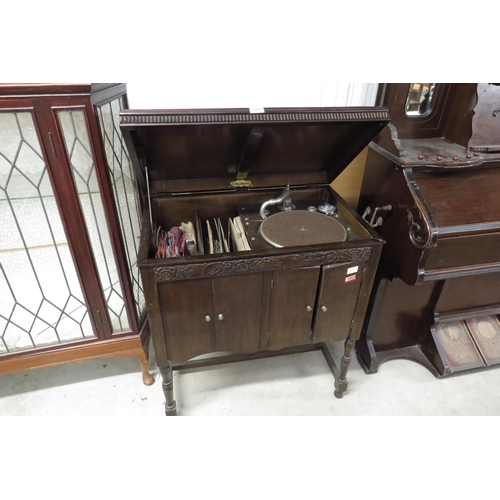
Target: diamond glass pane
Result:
[37, 273]
[80, 156]
[124, 190]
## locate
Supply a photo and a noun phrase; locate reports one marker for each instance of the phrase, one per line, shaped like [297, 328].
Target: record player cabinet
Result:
[201, 165]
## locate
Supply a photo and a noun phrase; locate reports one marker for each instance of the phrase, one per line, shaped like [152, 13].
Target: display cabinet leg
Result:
[168, 389]
[147, 378]
[341, 381]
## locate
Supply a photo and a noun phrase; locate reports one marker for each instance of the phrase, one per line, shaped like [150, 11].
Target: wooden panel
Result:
[401, 313]
[184, 306]
[216, 144]
[394, 95]
[463, 252]
[457, 200]
[290, 321]
[239, 300]
[400, 257]
[337, 299]
[468, 293]
[57, 355]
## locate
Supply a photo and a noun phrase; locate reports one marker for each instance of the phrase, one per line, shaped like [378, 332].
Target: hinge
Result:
[314, 185]
[52, 144]
[149, 198]
[272, 284]
[98, 323]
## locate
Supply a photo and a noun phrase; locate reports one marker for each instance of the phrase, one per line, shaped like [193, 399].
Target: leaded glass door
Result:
[69, 229]
[41, 298]
[125, 191]
[65, 214]
[83, 169]
[76, 134]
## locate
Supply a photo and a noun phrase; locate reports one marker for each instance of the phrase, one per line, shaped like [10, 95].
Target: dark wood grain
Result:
[338, 296]
[239, 300]
[441, 262]
[290, 320]
[184, 310]
[262, 300]
[467, 198]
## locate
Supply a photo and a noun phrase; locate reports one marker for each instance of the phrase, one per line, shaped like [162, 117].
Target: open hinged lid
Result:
[223, 149]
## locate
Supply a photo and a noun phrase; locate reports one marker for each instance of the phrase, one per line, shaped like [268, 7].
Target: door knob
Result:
[309, 308]
[207, 318]
[221, 317]
[324, 309]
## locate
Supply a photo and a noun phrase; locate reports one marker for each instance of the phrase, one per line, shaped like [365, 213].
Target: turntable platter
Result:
[301, 227]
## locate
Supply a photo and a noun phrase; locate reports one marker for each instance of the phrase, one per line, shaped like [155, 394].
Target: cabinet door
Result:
[48, 294]
[187, 314]
[292, 299]
[237, 312]
[337, 300]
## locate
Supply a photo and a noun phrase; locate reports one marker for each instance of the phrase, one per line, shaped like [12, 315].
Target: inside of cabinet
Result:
[217, 221]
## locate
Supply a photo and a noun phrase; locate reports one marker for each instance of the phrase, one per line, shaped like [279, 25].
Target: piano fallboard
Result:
[465, 209]
[463, 202]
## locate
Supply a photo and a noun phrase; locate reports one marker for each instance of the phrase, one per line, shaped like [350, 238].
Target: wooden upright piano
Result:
[431, 189]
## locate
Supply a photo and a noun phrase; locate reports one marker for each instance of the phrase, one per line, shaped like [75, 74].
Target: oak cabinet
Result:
[338, 296]
[292, 304]
[210, 315]
[280, 263]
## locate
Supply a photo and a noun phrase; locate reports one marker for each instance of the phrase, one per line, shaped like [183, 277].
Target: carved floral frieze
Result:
[251, 265]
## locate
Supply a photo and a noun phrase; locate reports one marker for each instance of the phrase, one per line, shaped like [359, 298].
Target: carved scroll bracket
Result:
[420, 236]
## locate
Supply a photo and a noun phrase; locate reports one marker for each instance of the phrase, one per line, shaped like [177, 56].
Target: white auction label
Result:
[256, 110]
[352, 270]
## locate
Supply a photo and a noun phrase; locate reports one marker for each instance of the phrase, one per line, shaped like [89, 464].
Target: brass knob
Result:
[207, 318]
[455, 158]
[324, 309]
[439, 158]
[221, 317]
[420, 157]
[309, 308]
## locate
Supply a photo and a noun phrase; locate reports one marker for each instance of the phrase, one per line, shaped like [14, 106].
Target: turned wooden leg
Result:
[341, 381]
[168, 389]
[146, 376]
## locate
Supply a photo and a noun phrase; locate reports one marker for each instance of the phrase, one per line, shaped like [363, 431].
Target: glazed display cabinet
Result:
[70, 288]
